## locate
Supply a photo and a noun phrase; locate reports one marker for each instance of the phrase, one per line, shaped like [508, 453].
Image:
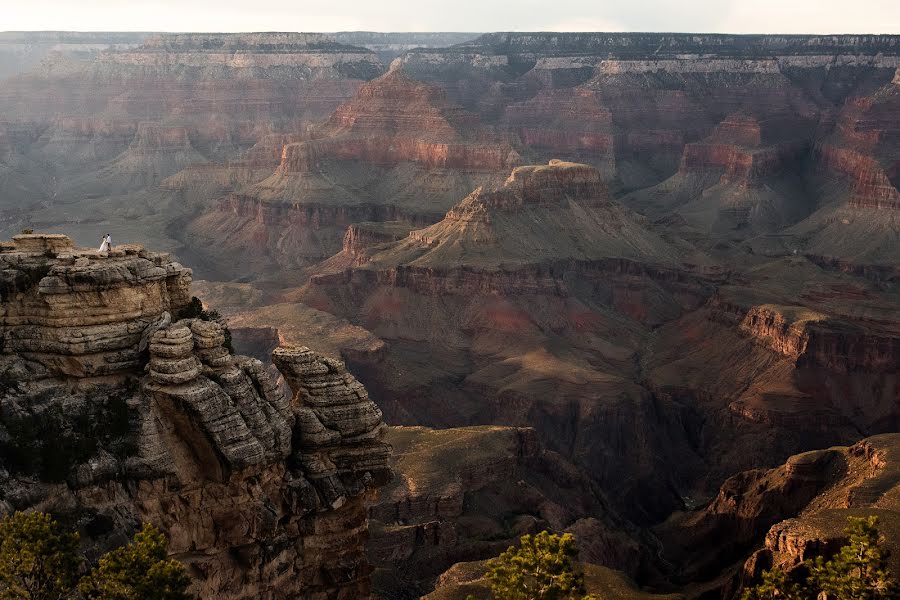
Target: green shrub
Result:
[858, 571]
[37, 558]
[40, 561]
[542, 567]
[139, 571]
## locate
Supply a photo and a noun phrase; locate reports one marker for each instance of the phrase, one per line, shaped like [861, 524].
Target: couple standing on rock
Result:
[105, 243]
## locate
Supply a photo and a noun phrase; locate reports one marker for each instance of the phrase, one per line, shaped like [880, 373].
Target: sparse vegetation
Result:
[195, 310]
[542, 567]
[41, 561]
[858, 571]
[38, 560]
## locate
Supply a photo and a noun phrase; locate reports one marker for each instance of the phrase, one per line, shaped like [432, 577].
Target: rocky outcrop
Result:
[541, 213]
[503, 484]
[742, 177]
[870, 186]
[117, 411]
[813, 339]
[794, 511]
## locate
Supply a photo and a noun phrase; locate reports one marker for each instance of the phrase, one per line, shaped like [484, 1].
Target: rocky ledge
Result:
[120, 403]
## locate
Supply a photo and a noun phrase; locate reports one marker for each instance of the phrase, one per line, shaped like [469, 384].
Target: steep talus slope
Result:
[560, 211]
[744, 177]
[114, 411]
[857, 177]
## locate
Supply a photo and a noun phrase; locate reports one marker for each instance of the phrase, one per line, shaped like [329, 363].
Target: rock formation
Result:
[399, 150]
[787, 514]
[704, 284]
[117, 119]
[117, 411]
[516, 295]
[502, 484]
[743, 177]
[488, 292]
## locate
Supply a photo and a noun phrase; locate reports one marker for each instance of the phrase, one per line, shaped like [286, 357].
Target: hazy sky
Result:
[736, 16]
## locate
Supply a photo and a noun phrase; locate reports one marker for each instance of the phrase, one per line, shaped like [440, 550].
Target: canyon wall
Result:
[118, 409]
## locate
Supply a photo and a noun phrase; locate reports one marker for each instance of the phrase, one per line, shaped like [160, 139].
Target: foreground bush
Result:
[858, 571]
[542, 567]
[40, 561]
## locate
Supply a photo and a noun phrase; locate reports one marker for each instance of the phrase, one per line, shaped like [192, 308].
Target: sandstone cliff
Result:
[787, 514]
[116, 411]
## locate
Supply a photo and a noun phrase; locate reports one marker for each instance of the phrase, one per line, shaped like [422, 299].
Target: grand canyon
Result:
[643, 288]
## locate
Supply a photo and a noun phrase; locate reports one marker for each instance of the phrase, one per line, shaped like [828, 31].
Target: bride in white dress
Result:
[106, 243]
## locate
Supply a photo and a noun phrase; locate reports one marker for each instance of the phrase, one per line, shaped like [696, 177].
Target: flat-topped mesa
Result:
[105, 355]
[533, 186]
[620, 53]
[560, 211]
[294, 55]
[556, 181]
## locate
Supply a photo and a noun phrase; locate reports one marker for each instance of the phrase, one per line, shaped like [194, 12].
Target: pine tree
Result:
[775, 586]
[859, 571]
[38, 560]
[542, 567]
[139, 571]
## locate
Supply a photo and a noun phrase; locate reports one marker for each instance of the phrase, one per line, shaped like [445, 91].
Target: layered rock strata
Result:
[491, 292]
[115, 411]
[503, 484]
[398, 150]
[787, 514]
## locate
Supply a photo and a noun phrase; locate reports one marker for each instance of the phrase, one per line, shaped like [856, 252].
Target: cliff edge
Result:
[117, 409]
